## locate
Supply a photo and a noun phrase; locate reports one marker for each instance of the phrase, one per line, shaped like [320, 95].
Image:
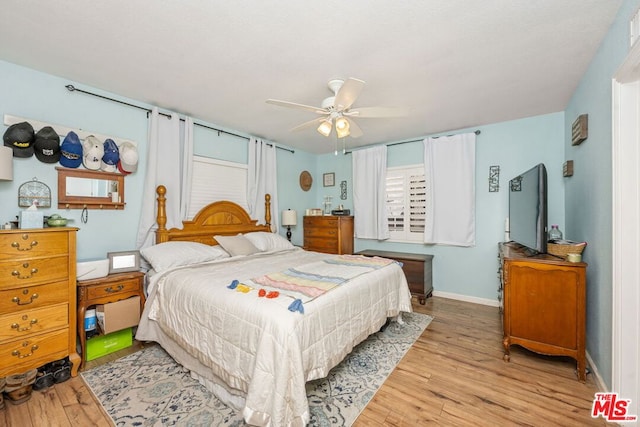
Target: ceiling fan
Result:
[337, 111]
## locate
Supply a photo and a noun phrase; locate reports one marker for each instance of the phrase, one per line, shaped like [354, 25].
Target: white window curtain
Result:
[369, 193]
[169, 163]
[450, 170]
[262, 179]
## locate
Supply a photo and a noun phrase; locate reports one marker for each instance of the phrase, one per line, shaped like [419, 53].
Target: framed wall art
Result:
[329, 179]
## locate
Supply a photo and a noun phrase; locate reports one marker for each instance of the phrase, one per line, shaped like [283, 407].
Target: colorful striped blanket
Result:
[312, 280]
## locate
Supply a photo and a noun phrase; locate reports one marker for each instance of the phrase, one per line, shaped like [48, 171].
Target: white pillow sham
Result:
[175, 254]
[268, 242]
[236, 245]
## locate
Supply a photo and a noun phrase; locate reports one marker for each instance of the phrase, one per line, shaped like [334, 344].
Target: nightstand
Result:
[104, 290]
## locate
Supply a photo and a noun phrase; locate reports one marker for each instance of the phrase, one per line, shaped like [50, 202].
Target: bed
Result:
[244, 326]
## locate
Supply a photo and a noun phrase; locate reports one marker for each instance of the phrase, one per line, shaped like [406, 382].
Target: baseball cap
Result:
[20, 137]
[47, 145]
[128, 158]
[93, 151]
[71, 151]
[111, 156]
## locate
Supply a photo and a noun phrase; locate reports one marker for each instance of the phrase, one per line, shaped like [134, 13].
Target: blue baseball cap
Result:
[71, 151]
[111, 156]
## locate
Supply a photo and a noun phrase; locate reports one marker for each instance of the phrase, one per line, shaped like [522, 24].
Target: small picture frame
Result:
[123, 262]
[329, 179]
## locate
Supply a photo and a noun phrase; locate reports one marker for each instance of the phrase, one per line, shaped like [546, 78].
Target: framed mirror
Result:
[83, 188]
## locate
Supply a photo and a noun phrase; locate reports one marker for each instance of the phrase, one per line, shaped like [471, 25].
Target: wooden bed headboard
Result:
[218, 218]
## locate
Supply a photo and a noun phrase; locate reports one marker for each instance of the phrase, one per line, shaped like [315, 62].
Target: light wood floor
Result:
[453, 375]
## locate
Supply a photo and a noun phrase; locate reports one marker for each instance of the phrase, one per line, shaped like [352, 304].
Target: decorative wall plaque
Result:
[580, 129]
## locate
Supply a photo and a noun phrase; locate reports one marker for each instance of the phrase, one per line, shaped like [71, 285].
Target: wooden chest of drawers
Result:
[328, 234]
[37, 298]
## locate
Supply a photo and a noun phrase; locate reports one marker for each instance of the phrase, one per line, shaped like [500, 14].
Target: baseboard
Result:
[460, 297]
[600, 384]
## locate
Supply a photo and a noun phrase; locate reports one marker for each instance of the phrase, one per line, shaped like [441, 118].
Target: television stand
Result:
[543, 304]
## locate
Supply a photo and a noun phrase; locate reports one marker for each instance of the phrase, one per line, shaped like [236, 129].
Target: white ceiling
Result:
[453, 63]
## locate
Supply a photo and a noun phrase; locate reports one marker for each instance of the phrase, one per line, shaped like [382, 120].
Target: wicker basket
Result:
[562, 250]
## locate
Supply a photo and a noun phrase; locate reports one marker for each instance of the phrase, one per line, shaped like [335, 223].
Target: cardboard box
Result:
[118, 315]
[106, 344]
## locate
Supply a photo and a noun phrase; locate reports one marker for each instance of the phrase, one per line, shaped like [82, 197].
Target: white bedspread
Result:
[256, 346]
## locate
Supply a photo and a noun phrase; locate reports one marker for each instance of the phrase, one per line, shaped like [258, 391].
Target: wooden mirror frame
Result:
[80, 202]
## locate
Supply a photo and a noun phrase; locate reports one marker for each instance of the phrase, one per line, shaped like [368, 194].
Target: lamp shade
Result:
[289, 217]
[6, 164]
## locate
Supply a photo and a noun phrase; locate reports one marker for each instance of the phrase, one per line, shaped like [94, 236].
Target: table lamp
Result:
[289, 218]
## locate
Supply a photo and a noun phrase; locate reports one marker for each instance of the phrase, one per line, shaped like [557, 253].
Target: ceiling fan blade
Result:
[354, 129]
[297, 106]
[376, 112]
[306, 125]
[348, 93]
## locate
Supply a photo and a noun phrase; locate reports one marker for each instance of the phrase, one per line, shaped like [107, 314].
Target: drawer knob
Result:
[22, 356]
[17, 246]
[117, 289]
[17, 273]
[25, 328]
[17, 300]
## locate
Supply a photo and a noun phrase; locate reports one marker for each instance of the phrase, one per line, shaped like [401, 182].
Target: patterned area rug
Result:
[148, 388]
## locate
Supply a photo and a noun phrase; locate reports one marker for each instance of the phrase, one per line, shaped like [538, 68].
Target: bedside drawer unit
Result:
[33, 271]
[110, 289]
[37, 298]
[30, 244]
[30, 297]
[328, 234]
[26, 322]
[32, 352]
[105, 290]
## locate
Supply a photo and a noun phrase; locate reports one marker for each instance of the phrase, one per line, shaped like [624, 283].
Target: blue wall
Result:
[588, 199]
[515, 146]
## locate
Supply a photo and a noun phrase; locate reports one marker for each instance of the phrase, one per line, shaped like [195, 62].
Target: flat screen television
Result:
[528, 209]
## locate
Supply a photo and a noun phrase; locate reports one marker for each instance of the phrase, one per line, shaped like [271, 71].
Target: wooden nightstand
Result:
[104, 290]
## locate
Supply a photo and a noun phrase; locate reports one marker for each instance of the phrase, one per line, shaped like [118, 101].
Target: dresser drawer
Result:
[33, 271]
[98, 291]
[321, 232]
[321, 245]
[30, 297]
[23, 354]
[18, 246]
[28, 322]
[320, 221]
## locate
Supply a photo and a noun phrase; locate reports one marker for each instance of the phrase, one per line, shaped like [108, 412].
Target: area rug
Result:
[148, 388]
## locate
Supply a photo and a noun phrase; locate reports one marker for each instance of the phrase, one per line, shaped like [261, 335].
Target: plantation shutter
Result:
[215, 180]
[417, 200]
[395, 201]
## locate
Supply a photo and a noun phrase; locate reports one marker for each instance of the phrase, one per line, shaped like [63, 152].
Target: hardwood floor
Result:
[453, 375]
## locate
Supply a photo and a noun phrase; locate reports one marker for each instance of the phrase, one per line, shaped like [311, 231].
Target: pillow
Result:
[174, 254]
[236, 245]
[268, 242]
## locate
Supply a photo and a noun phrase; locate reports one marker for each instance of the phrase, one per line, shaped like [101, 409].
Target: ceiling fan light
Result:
[325, 127]
[342, 127]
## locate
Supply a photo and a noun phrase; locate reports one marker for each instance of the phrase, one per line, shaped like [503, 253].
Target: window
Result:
[214, 180]
[406, 203]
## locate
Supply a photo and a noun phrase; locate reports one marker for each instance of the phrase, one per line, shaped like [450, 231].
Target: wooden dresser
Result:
[37, 298]
[328, 234]
[544, 304]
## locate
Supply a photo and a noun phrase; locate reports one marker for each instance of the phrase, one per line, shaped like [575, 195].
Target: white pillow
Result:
[174, 254]
[236, 245]
[268, 242]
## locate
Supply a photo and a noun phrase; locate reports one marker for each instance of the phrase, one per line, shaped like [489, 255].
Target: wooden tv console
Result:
[543, 304]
